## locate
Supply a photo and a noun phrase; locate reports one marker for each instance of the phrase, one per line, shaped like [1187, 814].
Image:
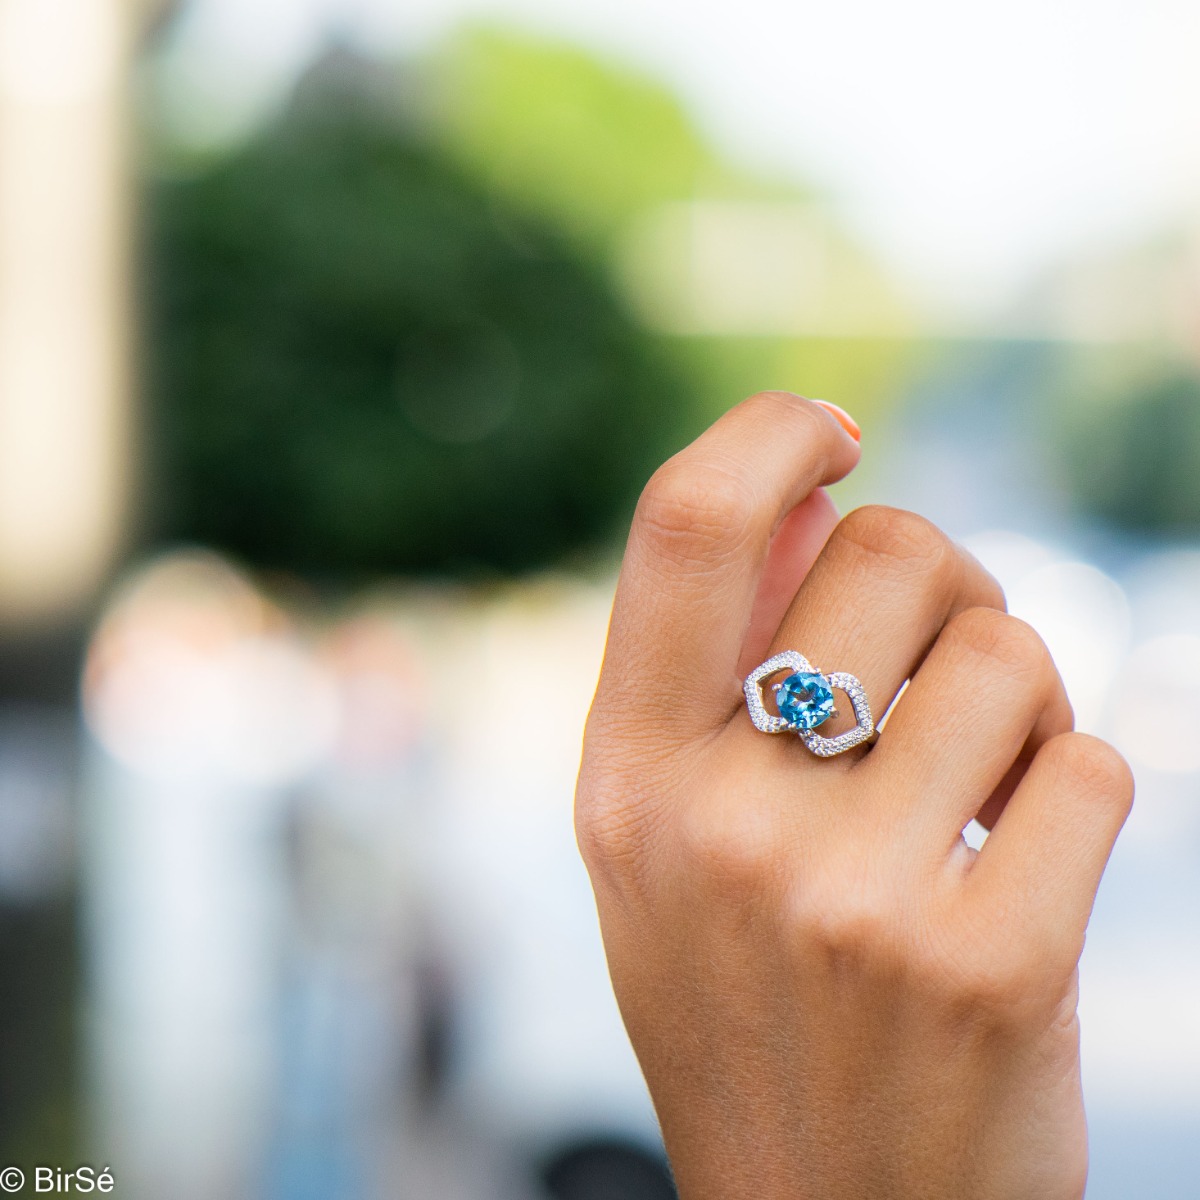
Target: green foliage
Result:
[361, 361]
[374, 350]
[548, 126]
[594, 147]
[1134, 461]
[855, 372]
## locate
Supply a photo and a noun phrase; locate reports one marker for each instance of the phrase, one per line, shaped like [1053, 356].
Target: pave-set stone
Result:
[805, 701]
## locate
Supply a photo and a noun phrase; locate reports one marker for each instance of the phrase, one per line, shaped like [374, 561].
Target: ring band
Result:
[805, 701]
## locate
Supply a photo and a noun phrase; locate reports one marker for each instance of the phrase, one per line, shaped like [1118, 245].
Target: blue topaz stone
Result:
[805, 700]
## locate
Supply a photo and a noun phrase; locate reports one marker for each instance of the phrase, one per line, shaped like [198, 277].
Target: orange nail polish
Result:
[844, 419]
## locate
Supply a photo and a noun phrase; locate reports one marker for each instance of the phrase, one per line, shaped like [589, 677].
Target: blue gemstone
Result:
[805, 700]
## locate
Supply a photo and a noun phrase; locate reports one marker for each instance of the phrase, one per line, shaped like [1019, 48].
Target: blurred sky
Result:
[972, 144]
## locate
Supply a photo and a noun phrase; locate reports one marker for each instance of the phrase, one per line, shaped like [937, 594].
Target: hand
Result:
[830, 995]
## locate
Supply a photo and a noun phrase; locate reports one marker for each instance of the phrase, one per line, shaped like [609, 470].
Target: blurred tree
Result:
[361, 361]
[595, 146]
[589, 144]
[1134, 460]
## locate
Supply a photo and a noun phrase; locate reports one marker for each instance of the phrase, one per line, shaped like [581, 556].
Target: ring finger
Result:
[876, 600]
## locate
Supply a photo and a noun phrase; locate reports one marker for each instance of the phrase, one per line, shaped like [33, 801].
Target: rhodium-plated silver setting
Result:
[824, 747]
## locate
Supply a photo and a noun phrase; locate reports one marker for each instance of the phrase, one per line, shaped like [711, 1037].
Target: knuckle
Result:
[1002, 977]
[611, 841]
[599, 828]
[734, 851]
[1008, 641]
[993, 985]
[895, 536]
[691, 508]
[985, 584]
[612, 828]
[854, 923]
[771, 398]
[803, 422]
[854, 931]
[1089, 764]
[780, 406]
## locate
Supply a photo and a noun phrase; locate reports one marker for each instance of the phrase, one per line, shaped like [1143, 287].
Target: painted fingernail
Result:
[844, 419]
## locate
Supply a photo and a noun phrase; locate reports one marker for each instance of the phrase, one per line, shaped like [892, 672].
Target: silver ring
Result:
[805, 701]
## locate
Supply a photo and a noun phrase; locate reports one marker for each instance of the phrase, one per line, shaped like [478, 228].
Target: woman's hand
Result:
[831, 996]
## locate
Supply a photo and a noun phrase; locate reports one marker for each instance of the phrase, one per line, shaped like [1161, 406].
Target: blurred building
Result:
[66, 470]
[65, 404]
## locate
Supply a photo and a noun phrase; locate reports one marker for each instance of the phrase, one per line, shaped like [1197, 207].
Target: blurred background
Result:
[337, 338]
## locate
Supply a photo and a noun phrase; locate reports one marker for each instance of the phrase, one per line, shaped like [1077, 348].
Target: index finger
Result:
[696, 552]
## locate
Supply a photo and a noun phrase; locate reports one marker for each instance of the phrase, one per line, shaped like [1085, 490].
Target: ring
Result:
[805, 701]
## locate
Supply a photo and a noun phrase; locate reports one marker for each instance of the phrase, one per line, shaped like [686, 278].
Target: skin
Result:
[830, 995]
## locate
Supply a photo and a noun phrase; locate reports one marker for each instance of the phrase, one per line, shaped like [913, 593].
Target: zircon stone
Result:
[805, 700]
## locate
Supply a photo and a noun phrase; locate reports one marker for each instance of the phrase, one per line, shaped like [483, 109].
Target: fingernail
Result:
[844, 419]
